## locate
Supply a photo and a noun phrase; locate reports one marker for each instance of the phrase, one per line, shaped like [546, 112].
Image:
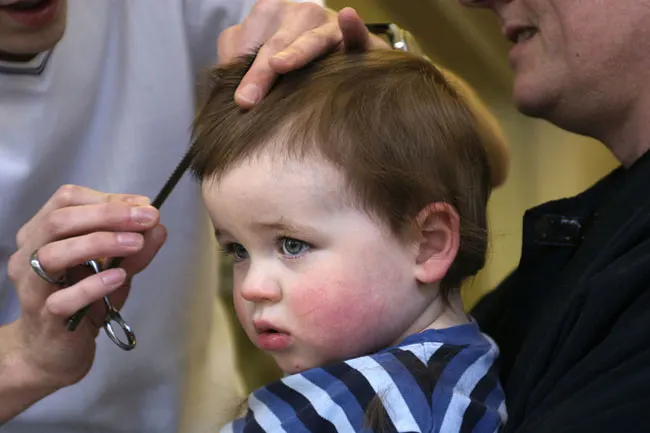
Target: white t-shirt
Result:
[111, 110]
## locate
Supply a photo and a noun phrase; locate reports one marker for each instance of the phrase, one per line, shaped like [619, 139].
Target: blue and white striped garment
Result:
[435, 381]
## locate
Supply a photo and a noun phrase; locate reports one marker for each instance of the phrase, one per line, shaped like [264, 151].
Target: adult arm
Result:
[38, 355]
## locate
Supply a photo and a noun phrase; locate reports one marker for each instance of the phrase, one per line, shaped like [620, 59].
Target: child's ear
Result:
[438, 240]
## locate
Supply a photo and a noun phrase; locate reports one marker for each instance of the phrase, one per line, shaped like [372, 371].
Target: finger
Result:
[356, 36]
[31, 289]
[61, 255]
[154, 239]
[263, 21]
[298, 19]
[227, 44]
[73, 195]
[74, 221]
[308, 47]
[66, 302]
[260, 77]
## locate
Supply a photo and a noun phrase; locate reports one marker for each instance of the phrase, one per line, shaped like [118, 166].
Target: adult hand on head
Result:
[289, 35]
[38, 355]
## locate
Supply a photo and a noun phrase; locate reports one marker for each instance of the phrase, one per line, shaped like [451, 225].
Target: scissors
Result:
[112, 314]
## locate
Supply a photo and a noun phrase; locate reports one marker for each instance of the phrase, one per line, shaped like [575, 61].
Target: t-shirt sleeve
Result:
[206, 19]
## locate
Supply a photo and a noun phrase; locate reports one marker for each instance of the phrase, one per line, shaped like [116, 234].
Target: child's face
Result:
[315, 280]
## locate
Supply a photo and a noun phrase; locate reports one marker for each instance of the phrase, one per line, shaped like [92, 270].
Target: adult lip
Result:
[31, 15]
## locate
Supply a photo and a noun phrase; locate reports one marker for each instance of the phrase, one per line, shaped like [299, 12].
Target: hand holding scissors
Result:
[76, 226]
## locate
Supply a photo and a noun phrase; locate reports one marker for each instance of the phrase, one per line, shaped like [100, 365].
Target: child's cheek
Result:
[337, 317]
[242, 309]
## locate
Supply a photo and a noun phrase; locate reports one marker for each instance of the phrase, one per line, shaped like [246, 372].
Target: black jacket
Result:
[573, 320]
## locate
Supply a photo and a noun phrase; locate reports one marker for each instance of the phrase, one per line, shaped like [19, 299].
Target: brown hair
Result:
[389, 120]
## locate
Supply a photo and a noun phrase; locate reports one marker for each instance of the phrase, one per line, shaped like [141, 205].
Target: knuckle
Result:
[15, 266]
[84, 288]
[21, 237]
[55, 222]
[227, 34]
[65, 194]
[280, 41]
[313, 10]
[266, 7]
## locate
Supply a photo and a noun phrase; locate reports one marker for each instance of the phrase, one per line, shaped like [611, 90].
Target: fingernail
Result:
[141, 200]
[113, 277]
[144, 214]
[129, 239]
[283, 55]
[250, 94]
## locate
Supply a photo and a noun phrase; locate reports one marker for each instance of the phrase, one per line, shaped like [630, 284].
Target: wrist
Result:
[21, 382]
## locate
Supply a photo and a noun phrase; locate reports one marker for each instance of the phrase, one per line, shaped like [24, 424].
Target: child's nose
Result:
[260, 287]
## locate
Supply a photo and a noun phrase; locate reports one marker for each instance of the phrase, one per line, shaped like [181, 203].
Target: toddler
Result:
[353, 202]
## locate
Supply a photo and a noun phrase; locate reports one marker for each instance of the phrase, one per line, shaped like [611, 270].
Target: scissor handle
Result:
[112, 315]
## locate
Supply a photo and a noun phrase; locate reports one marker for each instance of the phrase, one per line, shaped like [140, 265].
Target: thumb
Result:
[355, 34]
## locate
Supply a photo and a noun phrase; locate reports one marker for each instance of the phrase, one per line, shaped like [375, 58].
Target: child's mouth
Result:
[270, 338]
[273, 340]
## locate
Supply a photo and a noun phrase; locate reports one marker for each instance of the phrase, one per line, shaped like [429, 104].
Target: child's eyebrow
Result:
[281, 225]
[219, 233]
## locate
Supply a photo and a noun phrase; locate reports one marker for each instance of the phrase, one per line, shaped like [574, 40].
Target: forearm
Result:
[20, 386]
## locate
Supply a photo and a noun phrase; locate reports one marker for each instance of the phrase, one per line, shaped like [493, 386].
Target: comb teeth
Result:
[74, 320]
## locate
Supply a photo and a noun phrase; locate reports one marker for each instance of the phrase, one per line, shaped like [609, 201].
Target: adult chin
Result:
[534, 98]
[23, 34]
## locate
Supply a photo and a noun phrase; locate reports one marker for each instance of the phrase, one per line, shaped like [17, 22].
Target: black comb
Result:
[74, 320]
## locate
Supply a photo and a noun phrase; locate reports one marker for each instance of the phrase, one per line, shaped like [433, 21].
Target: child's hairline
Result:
[350, 196]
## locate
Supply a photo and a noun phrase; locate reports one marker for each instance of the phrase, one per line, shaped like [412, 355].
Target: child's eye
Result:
[236, 250]
[293, 247]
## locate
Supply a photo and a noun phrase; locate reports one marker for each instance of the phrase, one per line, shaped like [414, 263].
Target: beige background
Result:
[546, 163]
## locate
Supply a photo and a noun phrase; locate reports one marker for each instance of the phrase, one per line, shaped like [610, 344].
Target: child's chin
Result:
[293, 366]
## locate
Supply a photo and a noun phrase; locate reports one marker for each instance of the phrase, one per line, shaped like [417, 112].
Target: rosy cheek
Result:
[337, 317]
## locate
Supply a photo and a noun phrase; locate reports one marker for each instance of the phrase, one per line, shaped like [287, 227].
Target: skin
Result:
[37, 354]
[289, 35]
[327, 274]
[19, 41]
[585, 69]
